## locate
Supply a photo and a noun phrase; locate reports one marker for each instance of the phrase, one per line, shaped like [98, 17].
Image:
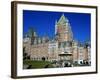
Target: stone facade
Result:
[61, 47]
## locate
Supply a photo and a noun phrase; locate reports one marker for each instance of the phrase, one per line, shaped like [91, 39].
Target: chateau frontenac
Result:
[62, 47]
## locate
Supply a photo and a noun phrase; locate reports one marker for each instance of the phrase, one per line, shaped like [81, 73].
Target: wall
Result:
[5, 43]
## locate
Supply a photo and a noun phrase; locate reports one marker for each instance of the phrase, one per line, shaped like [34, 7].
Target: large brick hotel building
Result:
[61, 47]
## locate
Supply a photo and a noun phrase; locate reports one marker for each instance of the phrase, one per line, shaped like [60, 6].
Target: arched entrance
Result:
[43, 58]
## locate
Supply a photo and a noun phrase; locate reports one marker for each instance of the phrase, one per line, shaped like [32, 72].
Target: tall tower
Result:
[63, 29]
[32, 35]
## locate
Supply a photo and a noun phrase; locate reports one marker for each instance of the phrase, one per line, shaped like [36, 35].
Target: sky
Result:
[43, 22]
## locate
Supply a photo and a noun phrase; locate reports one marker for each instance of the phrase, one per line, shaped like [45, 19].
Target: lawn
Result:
[38, 64]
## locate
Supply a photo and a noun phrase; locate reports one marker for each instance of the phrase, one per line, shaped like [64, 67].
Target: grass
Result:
[37, 64]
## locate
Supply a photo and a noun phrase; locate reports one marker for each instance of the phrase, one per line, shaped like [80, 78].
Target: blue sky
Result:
[43, 23]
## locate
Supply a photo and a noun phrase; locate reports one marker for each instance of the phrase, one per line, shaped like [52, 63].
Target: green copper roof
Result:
[62, 19]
